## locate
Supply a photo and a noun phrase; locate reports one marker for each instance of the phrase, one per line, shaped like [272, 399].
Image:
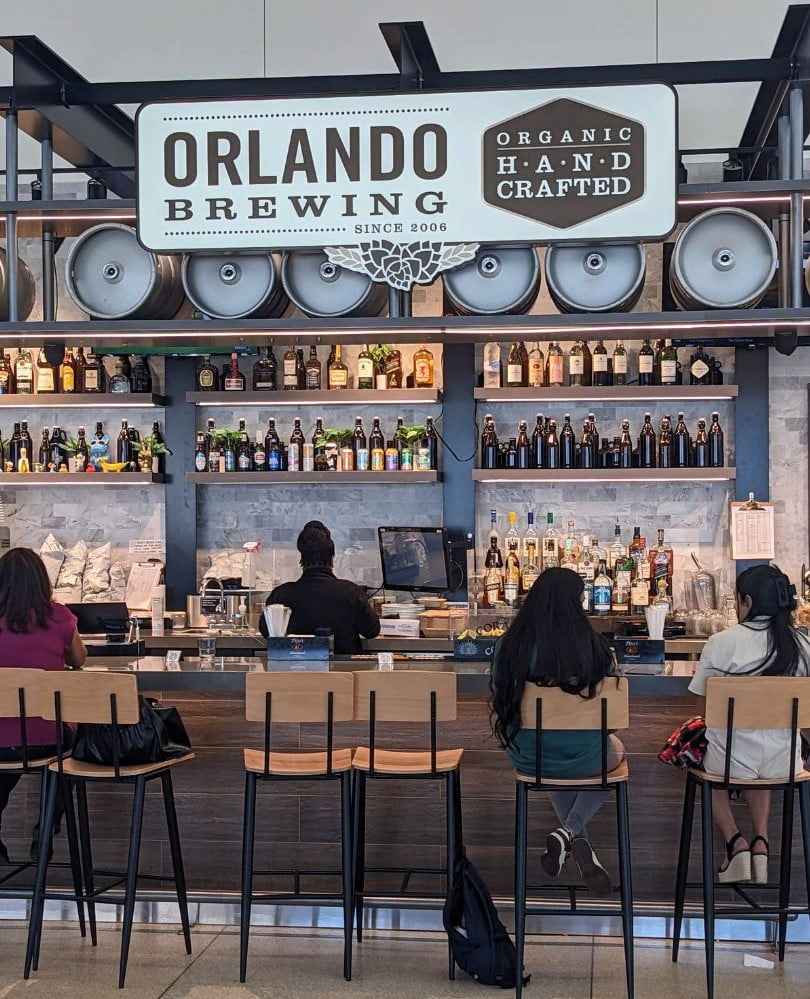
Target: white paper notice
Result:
[143, 579]
[146, 548]
[752, 532]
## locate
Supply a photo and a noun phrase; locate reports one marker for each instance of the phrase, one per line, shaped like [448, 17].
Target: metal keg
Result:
[599, 277]
[234, 285]
[26, 289]
[723, 259]
[320, 288]
[111, 276]
[501, 279]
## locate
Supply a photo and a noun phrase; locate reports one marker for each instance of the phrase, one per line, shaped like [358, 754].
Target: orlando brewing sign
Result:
[422, 177]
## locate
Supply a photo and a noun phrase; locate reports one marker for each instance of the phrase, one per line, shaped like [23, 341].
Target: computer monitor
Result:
[101, 618]
[415, 558]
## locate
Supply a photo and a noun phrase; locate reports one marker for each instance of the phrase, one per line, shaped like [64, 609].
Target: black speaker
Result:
[786, 342]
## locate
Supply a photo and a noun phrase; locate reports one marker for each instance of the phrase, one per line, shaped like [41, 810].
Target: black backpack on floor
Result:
[480, 943]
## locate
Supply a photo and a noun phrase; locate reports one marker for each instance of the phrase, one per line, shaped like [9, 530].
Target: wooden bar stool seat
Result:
[71, 767]
[753, 703]
[297, 698]
[298, 764]
[401, 762]
[32, 764]
[553, 709]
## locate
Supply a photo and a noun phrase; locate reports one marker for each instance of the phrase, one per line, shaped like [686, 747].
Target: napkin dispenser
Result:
[299, 648]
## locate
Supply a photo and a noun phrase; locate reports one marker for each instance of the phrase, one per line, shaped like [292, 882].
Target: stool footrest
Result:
[325, 897]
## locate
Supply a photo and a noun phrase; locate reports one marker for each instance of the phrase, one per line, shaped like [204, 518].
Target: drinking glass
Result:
[207, 648]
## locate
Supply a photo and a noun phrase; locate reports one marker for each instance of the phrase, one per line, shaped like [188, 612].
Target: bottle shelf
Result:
[79, 479]
[612, 475]
[347, 397]
[84, 400]
[613, 393]
[308, 478]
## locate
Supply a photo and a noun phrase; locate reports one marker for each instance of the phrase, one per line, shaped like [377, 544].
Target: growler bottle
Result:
[522, 446]
[567, 443]
[717, 454]
[665, 444]
[538, 455]
[701, 446]
[680, 444]
[586, 452]
[646, 444]
[625, 446]
[489, 445]
[552, 446]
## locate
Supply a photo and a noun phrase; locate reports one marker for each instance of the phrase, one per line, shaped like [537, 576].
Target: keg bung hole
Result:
[594, 263]
[112, 272]
[723, 259]
[230, 272]
[329, 271]
[489, 266]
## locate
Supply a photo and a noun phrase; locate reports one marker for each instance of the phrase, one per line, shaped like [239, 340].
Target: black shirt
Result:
[320, 600]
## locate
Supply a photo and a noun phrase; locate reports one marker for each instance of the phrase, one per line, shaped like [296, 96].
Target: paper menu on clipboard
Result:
[143, 578]
[752, 531]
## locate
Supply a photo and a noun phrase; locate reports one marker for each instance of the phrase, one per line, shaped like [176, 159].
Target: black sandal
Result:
[759, 862]
[739, 864]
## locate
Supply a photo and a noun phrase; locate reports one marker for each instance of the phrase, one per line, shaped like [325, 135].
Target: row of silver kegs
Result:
[724, 258]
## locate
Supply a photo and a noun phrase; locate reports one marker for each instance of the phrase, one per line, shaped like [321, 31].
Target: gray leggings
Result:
[575, 809]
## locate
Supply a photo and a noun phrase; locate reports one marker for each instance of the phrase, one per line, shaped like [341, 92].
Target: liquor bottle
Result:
[646, 444]
[680, 444]
[318, 444]
[601, 368]
[289, 367]
[551, 558]
[259, 453]
[567, 443]
[538, 447]
[119, 383]
[625, 446]
[7, 385]
[44, 457]
[717, 453]
[243, 460]
[555, 366]
[313, 370]
[489, 444]
[359, 445]
[602, 591]
[586, 454]
[82, 453]
[514, 367]
[14, 443]
[646, 364]
[295, 452]
[338, 373]
[701, 446]
[622, 583]
[123, 446]
[93, 374]
[699, 368]
[393, 369]
[552, 446]
[531, 555]
[574, 542]
[399, 439]
[493, 576]
[141, 375]
[23, 465]
[67, 372]
[587, 363]
[300, 369]
[493, 368]
[200, 458]
[212, 447]
[493, 529]
[127, 366]
[46, 374]
[264, 375]
[271, 435]
[665, 444]
[537, 367]
[24, 372]
[431, 437]
[587, 563]
[661, 563]
[594, 433]
[512, 565]
[422, 368]
[81, 364]
[576, 364]
[234, 380]
[617, 549]
[668, 363]
[99, 446]
[134, 438]
[229, 455]
[661, 598]
[658, 346]
[619, 364]
[273, 451]
[522, 446]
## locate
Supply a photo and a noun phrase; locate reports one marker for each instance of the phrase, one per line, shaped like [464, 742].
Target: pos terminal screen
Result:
[414, 558]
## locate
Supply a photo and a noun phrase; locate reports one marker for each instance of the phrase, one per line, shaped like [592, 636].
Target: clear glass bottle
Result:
[531, 551]
[47, 378]
[141, 375]
[514, 367]
[555, 366]
[537, 367]
[668, 364]
[551, 557]
[576, 364]
[661, 562]
[619, 364]
[119, 383]
[493, 368]
[602, 591]
[422, 368]
[512, 565]
[24, 372]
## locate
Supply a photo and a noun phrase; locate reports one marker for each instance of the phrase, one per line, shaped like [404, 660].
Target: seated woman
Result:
[35, 633]
[764, 643]
[551, 643]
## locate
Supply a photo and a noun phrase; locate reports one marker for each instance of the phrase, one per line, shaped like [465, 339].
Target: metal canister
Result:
[320, 288]
[346, 459]
[308, 458]
[26, 289]
[500, 280]
[423, 459]
[234, 285]
[599, 277]
[362, 457]
[406, 459]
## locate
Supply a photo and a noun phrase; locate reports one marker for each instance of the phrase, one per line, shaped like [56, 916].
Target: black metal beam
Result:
[751, 431]
[85, 133]
[412, 51]
[180, 496]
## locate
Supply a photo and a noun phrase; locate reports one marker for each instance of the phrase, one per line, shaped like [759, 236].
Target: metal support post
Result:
[48, 248]
[11, 217]
[796, 104]
[783, 220]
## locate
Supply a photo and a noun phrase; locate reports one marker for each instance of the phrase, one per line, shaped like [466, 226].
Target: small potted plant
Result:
[411, 438]
[380, 352]
[338, 448]
[149, 449]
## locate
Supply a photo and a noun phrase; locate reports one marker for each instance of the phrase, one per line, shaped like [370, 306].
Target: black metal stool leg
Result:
[87, 857]
[804, 808]
[451, 799]
[784, 867]
[708, 883]
[73, 850]
[248, 838]
[38, 897]
[132, 875]
[347, 871]
[684, 851]
[521, 836]
[626, 882]
[359, 849]
[177, 855]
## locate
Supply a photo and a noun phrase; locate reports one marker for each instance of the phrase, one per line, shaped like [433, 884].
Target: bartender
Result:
[319, 600]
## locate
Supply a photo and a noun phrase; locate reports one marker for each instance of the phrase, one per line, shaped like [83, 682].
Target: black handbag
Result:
[159, 735]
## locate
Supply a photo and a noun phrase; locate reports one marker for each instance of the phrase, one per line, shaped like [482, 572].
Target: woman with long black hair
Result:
[764, 643]
[551, 643]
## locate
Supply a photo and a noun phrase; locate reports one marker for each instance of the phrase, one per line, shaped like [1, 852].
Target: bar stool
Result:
[609, 709]
[732, 703]
[405, 696]
[297, 698]
[102, 699]
[20, 699]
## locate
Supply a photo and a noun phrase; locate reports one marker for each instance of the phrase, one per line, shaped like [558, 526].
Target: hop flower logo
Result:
[401, 265]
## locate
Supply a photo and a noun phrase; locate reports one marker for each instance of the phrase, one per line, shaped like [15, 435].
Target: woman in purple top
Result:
[37, 633]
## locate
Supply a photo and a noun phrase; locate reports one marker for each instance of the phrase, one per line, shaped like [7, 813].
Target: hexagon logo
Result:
[563, 163]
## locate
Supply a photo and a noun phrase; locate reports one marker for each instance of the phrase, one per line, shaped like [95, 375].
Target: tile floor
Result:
[285, 964]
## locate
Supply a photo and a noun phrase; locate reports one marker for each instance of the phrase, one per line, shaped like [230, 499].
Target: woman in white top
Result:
[763, 643]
